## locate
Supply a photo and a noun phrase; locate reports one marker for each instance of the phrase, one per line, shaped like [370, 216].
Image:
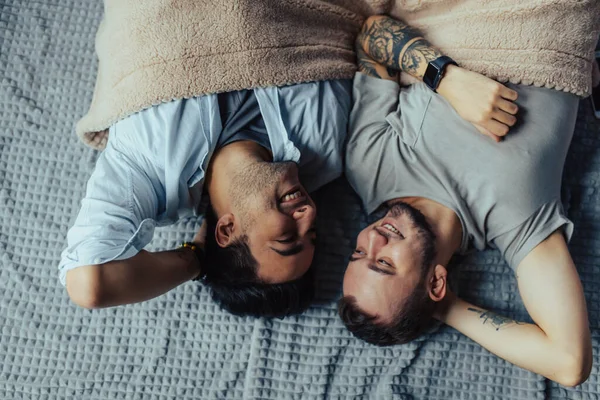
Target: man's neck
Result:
[443, 221]
[228, 161]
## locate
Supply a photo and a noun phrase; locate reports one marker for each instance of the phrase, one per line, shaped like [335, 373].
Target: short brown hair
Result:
[414, 318]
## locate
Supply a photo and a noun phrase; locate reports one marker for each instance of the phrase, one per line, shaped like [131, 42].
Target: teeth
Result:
[293, 196]
[391, 228]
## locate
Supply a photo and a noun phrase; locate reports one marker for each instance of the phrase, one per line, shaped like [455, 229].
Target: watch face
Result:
[430, 74]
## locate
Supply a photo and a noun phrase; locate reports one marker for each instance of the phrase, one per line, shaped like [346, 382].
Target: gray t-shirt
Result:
[410, 142]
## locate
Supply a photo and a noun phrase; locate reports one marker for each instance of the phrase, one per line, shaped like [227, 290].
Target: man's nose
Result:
[304, 212]
[305, 219]
[376, 241]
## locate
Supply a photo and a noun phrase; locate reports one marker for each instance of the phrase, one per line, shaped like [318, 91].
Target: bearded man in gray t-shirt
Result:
[450, 188]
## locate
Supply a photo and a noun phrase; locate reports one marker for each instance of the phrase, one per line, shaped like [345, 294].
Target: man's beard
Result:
[253, 188]
[425, 234]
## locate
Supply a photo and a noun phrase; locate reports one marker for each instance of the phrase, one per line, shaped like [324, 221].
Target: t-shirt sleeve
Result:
[117, 215]
[366, 170]
[520, 241]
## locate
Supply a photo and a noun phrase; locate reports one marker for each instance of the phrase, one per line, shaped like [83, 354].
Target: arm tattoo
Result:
[370, 67]
[418, 54]
[366, 65]
[397, 46]
[496, 321]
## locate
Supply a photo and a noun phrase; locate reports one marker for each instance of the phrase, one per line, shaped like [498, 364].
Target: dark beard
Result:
[425, 233]
[258, 179]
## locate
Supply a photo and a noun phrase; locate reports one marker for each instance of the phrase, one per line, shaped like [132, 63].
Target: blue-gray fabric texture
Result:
[181, 346]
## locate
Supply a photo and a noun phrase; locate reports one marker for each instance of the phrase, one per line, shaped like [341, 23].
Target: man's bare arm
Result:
[386, 46]
[558, 345]
[139, 278]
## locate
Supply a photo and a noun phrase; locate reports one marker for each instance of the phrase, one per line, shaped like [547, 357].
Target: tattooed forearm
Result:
[417, 56]
[385, 38]
[368, 66]
[496, 321]
[397, 45]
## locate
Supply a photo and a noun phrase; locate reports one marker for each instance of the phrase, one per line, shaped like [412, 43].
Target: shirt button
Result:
[97, 260]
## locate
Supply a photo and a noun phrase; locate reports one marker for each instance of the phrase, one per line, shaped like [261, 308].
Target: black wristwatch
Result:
[435, 71]
[199, 252]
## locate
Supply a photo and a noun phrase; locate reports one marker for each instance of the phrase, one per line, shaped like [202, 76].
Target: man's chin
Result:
[399, 209]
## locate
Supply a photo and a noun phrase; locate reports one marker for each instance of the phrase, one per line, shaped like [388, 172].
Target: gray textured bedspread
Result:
[180, 346]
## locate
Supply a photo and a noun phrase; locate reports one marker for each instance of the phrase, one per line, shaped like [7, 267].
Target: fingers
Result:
[497, 128]
[503, 117]
[507, 106]
[508, 94]
[499, 116]
[99, 139]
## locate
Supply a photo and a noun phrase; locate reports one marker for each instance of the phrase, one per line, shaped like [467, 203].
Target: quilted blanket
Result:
[181, 346]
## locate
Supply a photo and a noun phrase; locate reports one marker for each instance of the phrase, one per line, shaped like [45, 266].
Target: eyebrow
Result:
[373, 267]
[290, 252]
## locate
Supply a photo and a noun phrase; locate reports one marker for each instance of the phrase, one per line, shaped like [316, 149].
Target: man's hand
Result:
[485, 103]
[385, 46]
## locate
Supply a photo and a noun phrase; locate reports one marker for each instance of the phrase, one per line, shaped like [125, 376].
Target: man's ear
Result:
[225, 229]
[437, 283]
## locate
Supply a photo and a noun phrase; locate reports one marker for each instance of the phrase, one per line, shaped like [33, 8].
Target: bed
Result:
[180, 345]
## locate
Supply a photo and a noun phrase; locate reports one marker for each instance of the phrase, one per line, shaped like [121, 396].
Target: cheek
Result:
[270, 226]
[270, 219]
[406, 256]
[356, 280]
[256, 201]
[348, 284]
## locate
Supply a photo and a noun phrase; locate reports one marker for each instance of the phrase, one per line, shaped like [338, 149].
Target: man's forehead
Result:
[375, 293]
[372, 301]
[276, 268]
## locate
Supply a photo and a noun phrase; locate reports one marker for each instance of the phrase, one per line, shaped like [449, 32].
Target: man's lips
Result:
[291, 195]
[293, 199]
[390, 226]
